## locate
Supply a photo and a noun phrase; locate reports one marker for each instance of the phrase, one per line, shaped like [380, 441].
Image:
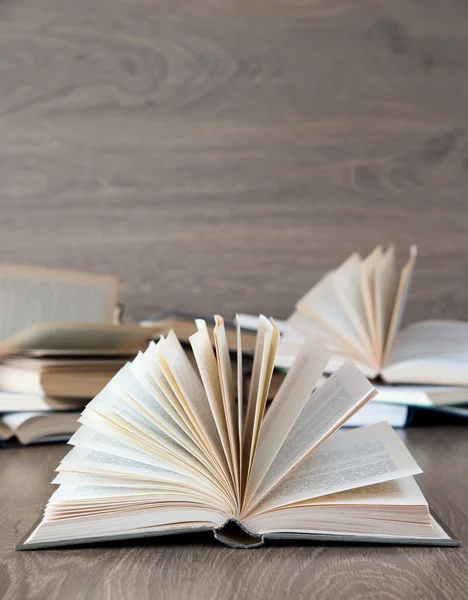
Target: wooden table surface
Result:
[202, 569]
[221, 156]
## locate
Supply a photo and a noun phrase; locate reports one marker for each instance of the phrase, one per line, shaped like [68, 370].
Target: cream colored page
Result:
[15, 420]
[347, 460]
[300, 326]
[385, 290]
[343, 393]
[322, 304]
[228, 395]
[83, 459]
[347, 284]
[257, 403]
[115, 408]
[208, 369]
[160, 519]
[191, 392]
[110, 480]
[127, 439]
[268, 362]
[103, 497]
[124, 433]
[86, 437]
[90, 460]
[430, 352]
[240, 395]
[400, 301]
[300, 323]
[367, 278]
[399, 492]
[290, 400]
[156, 365]
[264, 328]
[128, 381]
[36, 295]
[159, 388]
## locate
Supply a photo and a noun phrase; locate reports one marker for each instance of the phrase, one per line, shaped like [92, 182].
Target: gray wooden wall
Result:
[221, 155]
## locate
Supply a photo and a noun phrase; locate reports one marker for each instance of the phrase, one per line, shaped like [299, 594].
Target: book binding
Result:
[234, 534]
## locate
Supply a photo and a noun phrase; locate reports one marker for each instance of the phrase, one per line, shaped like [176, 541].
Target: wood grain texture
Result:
[220, 156]
[201, 569]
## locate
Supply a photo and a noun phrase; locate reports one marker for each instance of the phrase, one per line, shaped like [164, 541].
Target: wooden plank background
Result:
[221, 155]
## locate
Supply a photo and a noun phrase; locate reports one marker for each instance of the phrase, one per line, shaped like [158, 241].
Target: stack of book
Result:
[60, 345]
[420, 371]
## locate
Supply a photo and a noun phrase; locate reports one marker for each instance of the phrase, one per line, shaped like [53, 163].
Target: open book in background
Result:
[24, 428]
[59, 346]
[167, 447]
[358, 309]
[67, 312]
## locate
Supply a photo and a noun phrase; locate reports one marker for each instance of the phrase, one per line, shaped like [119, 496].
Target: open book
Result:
[63, 312]
[167, 448]
[358, 309]
[37, 427]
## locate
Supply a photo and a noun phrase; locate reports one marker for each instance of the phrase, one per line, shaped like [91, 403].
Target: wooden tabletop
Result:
[199, 568]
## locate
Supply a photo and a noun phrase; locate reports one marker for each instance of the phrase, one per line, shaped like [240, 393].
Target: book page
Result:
[400, 301]
[270, 347]
[240, 386]
[385, 290]
[141, 399]
[191, 394]
[33, 295]
[368, 267]
[264, 328]
[84, 460]
[143, 370]
[430, 352]
[110, 404]
[347, 284]
[290, 400]
[116, 436]
[240, 399]
[328, 407]
[228, 396]
[86, 437]
[77, 339]
[89, 460]
[110, 412]
[157, 365]
[208, 369]
[348, 459]
[390, 510]
[398, 492]
[161, 519]
[322, 304]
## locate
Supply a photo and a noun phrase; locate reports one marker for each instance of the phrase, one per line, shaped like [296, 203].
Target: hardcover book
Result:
[167, 447]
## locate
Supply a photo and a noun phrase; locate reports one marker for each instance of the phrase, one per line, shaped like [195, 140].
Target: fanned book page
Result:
[167, 447]
[358, 310]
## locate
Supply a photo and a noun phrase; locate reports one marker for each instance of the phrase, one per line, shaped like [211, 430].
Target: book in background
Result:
[396, 403]
[358, 309]
[60, 343]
